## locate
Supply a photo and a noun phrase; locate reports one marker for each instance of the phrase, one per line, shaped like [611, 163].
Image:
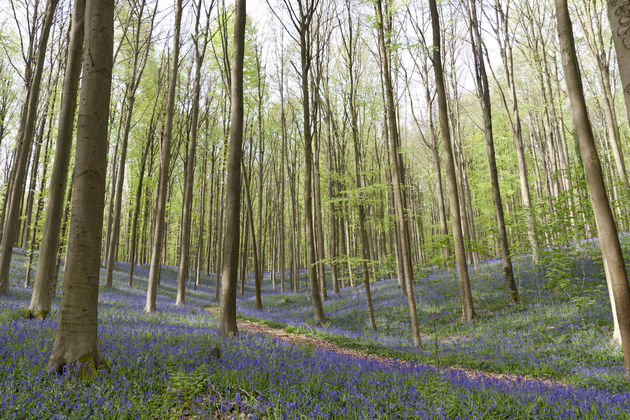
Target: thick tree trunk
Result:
[227, 307]
[76, 336]
[608, 235]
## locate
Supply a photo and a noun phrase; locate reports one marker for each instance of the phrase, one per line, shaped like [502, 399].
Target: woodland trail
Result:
[319, 343]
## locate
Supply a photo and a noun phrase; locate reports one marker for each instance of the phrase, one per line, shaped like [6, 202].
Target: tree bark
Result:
[160, 209]
[397, 182]
[20, 164]
[45, 276]
[76, 336]
[605, 221]
[227, 306]
[468, 309]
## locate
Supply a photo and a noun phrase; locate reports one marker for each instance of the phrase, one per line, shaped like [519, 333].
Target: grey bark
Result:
[76, 335]
[227, 306]
[20, 164]
[165, 156]
[605, 221]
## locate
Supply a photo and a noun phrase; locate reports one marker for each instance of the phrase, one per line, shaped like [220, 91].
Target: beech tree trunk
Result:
[605, 221]
[76, 336]
[255, 249]
[227, 306]
[165, 157]
[350, 62]
[14, 195]
[468, 309]
[184, 256]
[483, 91]
[47, 263]
[397, 181]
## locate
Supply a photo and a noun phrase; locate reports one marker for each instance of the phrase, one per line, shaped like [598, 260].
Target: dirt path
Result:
[300, 339]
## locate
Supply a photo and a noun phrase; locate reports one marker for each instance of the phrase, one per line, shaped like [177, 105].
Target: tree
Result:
[165, 157]
[301, 16]
[483, 91]
[619, 17]
[227, 306]
[26, 133]
[468, 309]
[76, 335]
[200, 42]
[505, 42]
[138, 63]
[384, 43]
[44, 278]
[605, 221]
[350, 57]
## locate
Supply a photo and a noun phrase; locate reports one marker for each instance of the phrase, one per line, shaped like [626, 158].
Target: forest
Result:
[321, 209]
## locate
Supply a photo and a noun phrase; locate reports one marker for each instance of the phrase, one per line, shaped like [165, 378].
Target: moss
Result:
[41, 314]
[86, 367]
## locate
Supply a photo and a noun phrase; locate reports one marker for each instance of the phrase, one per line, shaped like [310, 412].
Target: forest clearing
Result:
[314, 209]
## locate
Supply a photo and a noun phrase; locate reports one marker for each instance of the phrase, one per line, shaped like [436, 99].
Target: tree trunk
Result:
[76, 336]
[399, 202]
[607, 230]
[468, 309]
[160, 208]
[250, 218]
[184, 257]
[227, 307]
[47, 263]
[619, 17]
[483, 91]
[20, 164]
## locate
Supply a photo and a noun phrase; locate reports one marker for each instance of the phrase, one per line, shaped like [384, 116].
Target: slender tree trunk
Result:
[302, 20]
[468, 309]
[20, 164]
[399, 201]
[250, 217]
[483, 90]
[160, 209]
[283, 159]
[46, 274]
[227, 307]
[351, 54]
[184, 257]
[76, 336]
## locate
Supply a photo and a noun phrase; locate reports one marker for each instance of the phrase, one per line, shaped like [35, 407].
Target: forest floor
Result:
[546, 358]
[322, 344]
